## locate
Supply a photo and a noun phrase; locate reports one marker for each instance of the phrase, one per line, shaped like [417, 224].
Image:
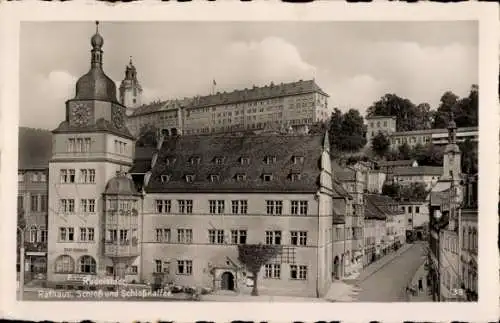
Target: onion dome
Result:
[120, 185]
[96, 85]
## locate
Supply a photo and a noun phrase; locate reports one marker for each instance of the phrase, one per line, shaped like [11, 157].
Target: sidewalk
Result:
[422, 296]
[347, 290]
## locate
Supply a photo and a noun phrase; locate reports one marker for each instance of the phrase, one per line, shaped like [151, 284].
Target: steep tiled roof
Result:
[394, 163]
[379, 206]
[255, 93]
[419, 170]
[231, 149]
[432, 131]
[100, 125]
[35, 148]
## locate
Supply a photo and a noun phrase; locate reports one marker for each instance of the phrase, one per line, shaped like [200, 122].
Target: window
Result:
[194, 160]
[64, 175]
[43, 203]
[64, 264]
[273, 237]
[216, 206]
[274, 207]
[219, 160]
[410, 209]
[158, 266]
[267, 177]
[417, 209]
[239, 206]
[34, 203]
[71, 176]
[184, 235]
[164, 178]
[403, 209]
[112, 235]
[299, 207]
[216, 236]
[184, 267]
[163, 235]
[241, 177]
[33, 235]
[189, 178]
[87, 234]
[270, 159]
[298, 238]
[244, 160]
[185, 206]
[239, 236]
[67, 205]
[20, 177]
[298, 272]
[87, 264]
[272, 271]
[43, 235]
[214, 178]
[34, 177]
[297, 159]
[132, 270]
[163, 206]
[66, 234]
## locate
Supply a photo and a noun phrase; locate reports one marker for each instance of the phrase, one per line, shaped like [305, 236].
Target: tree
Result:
[408, 116]
[380, 144]
[415, 191]
[347, 131]
[469, 160]
[465, 110]
[391, 189]
[253, 257]
[147, 136]
[404, 151]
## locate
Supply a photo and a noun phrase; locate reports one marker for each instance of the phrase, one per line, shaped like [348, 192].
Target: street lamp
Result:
[21, 260]
[437, 215]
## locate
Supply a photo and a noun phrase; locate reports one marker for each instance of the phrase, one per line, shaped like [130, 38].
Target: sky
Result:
[356, 63]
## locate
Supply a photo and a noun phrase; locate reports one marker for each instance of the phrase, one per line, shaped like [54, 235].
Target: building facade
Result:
[32, 200]
[429, 175]
[275, 106]
[416, 214]
[376, 124]
[89, 147]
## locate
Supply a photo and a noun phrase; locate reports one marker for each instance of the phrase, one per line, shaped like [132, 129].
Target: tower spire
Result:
[97, 26]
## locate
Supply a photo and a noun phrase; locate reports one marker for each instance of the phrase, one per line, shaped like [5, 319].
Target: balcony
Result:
[121, 248]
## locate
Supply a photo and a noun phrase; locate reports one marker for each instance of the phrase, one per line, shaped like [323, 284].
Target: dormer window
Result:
[297, 159]
[294, 177]
[164, 178]
[194, 160]
[189, 178]
[270, 159]
[267, 177]
[241, 177]
[214, 178]
[219, 160]
[244, 160]
[170, 160]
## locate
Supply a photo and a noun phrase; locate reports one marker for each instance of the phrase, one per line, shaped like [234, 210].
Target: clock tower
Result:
[90, 147]
[130, 89]
[451, 157]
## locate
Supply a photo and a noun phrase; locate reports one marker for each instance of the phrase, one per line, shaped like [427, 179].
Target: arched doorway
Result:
[336, 268]
[227, 281]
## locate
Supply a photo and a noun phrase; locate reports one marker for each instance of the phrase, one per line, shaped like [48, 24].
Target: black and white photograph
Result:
[307, 161]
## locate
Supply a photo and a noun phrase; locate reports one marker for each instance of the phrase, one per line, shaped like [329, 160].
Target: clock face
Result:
[81, 114]
[117, 117]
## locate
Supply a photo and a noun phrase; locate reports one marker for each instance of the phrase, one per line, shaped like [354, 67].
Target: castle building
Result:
[295, 105]
[387, 125]
[90, 146]
[130, 89]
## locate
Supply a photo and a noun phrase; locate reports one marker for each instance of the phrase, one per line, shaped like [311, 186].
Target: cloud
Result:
[45, 101]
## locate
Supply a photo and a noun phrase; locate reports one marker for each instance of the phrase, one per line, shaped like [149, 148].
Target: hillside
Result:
[35, 148]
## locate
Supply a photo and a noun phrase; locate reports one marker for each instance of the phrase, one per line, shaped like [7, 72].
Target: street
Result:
[389, 282]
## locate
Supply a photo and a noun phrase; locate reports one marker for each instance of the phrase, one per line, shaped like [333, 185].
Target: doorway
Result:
[336, 268]
[227, 281]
